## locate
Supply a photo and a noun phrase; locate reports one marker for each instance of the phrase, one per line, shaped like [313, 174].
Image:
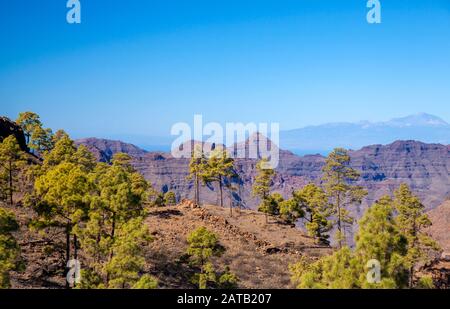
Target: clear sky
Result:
[138, 66]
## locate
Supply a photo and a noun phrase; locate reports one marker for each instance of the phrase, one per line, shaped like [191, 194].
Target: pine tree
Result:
[412, 222]
[379, 238]
[28, 121]
[9, 249]
[219, 168]
[228, 280]
[115, 234]
[290, 211]
[63, 151]
[125, 267]
[62, 200]
[38, 139]
[202, 245]
[197, 168]
[336, 271]
[271, 205]
[383, 237]
[262, 184]
[41, 140]
[338, 181]
[170, 198]
[58, 135]
[62, 191]
[314, 203]
[12, 161]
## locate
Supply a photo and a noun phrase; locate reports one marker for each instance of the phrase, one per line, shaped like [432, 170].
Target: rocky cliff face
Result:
[104, 149]
[425, 167]
[440, 230]
[8, 127]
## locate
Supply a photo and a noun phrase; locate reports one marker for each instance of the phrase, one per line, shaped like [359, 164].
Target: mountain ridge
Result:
[323, 138]
[425, 167]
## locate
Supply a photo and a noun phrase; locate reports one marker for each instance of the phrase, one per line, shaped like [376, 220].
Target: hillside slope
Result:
[440, 230]
[257, 252]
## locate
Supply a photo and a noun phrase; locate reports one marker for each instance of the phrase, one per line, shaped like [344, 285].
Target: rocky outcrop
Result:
[8, 127]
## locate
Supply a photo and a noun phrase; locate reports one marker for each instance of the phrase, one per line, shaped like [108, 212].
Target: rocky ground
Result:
[259, 253]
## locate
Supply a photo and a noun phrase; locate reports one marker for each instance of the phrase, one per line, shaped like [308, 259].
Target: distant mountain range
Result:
[323, 138]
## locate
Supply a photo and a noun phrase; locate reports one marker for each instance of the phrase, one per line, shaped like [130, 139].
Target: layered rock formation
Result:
[440, 230]
[104, 149]
[425, 167]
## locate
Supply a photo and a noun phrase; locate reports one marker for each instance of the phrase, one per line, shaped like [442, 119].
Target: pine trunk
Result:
[339, 221]
[221, 191]
[10, 184]
[67, 253]
[111, 255]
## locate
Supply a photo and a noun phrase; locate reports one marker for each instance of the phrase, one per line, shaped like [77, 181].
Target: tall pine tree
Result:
[339, 178]
[219, 168]
[12, 162]
[412, 222]
[262, 184]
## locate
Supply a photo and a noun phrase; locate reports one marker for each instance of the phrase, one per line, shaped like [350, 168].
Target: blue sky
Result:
[137, 67]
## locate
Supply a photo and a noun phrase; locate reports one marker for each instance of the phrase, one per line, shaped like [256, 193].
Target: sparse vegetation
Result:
[261, 187]
[12, 162]
[202, 246]
[316, 211]
[339, 179]
[197, 168]
[383, 235]
[219, 168]
[9, 249]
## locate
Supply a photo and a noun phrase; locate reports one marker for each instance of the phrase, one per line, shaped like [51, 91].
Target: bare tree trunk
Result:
[338, 201]
[75, 247]
[67, 253]
[221, 191]
[111, 255]
[231, 200]
[197, 190]
[75, 252]
[10, 184]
